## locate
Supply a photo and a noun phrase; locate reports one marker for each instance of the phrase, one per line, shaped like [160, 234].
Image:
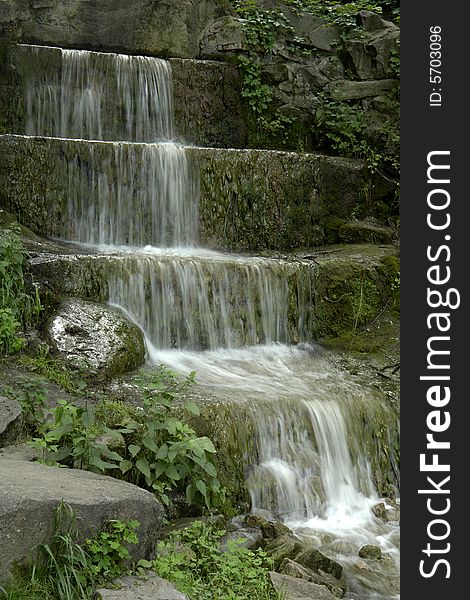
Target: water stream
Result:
[243, 324]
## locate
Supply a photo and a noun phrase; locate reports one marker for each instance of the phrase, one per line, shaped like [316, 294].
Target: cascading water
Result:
[101, 96]
[228, 318]
[142, 194]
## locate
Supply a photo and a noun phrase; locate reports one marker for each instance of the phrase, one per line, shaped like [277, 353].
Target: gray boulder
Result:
[10, 420]
[283, 547]
[98, 341]
[389, 511]
[224, 36]
[170, 28]
[355, 90]
[371, 21]
[150, 587]
[299, 589]
[31, 492]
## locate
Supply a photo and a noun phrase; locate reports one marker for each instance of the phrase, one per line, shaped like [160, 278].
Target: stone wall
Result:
[207, 104]
[154, 27]
[250, 199]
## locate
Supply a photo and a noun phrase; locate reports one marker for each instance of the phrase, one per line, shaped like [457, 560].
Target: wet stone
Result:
[370, 551]
[96, 340]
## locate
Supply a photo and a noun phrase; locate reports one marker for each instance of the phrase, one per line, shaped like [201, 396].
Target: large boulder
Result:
[95, 339]
[149, 587]
[10, 420]
[299, 589]
[31, 492]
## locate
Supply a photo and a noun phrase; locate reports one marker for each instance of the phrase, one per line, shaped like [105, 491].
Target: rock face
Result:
[150, 587]
[169, 28]
[299, 562]
[298, 589]
[10, 420]
[95, 339]
[31, 492]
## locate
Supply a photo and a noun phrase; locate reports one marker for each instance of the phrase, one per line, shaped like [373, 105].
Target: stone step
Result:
[250, 200]
[195, 300]
[206, 95]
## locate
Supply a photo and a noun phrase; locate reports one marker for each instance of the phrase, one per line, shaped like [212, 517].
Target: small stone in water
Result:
[370, 551]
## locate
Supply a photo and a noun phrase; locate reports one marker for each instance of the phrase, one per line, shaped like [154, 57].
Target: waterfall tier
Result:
[135, 194]
[205, 101]
[192, 299]
[249, 200]
[100, 96]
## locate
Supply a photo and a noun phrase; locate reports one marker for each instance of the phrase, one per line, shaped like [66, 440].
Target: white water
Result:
[192, 302]
[138, 195]
[101, 96]
[306, 418]
[307, 460]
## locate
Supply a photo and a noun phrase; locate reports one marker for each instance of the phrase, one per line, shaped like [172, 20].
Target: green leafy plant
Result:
[165, 451]
[32, 397]
[194, 561]
[147, 445]
[108, 552]
[72, 439]
[55, 370]
[69, 570]
[17, 307]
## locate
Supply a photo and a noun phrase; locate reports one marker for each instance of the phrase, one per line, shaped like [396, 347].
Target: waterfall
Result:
[216, 301]
[101, 96]
[138, 195]
[242, 323]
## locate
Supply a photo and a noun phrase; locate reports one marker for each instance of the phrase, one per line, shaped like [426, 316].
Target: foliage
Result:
[261, 27]
[340, 127]
[32, 397]
[18, 308]
[257, 93]
[193, 560]
[147, 445]
[164, 452]
[344, 13]
[55, 370]
[67, 570]
[395, 60]
[72, 439]
[108, 551]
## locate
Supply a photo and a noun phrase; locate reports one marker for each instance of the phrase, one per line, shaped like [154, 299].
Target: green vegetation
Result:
[18, 306]
[193, 560]
[67, 570]
[108, 550]
[54, 369]
[344, 13]
[146, 445]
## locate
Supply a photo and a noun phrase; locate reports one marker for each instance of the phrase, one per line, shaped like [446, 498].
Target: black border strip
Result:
[434, 124]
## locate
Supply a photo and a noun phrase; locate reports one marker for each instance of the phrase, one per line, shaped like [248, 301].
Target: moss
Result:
[351, 296]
